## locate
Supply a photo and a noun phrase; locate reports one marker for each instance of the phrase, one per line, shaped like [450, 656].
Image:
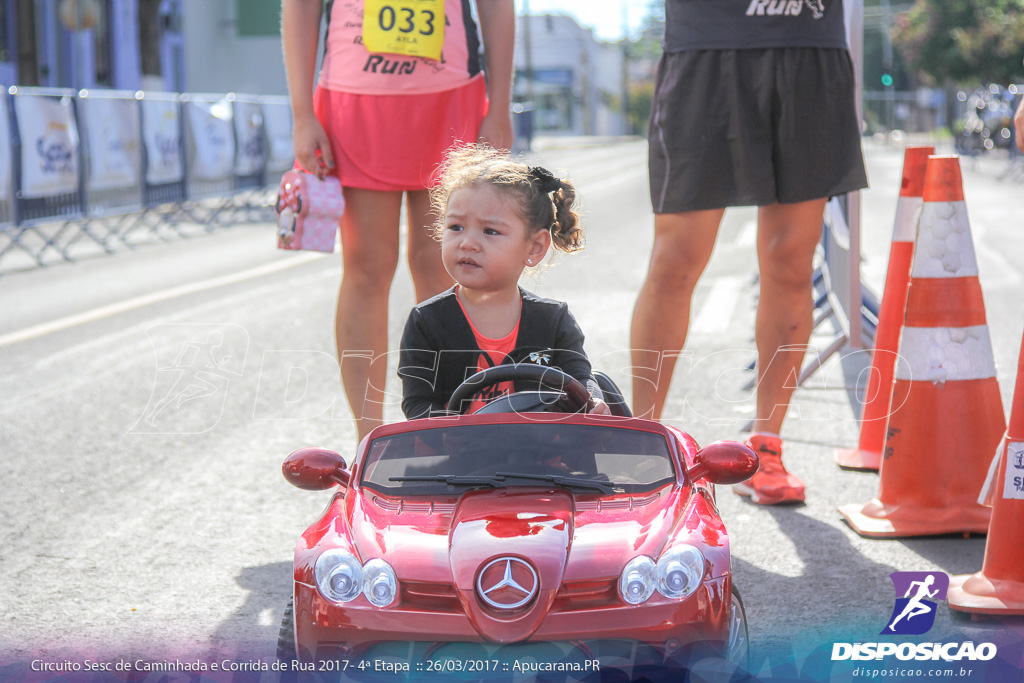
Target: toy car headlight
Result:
[638, 580]
[338, 575]
[379, 583]
[680, 571]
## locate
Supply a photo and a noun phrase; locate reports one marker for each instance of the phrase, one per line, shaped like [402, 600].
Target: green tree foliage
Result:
[644, 51]
[964, 41]
[641, 95]
[652, 30]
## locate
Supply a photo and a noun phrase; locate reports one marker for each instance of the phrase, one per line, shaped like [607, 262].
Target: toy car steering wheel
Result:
[577, 395]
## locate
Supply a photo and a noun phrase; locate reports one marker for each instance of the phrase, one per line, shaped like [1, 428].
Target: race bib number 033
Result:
[404, 27]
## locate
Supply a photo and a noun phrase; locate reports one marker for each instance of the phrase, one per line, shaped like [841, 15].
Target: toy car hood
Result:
[498, 548]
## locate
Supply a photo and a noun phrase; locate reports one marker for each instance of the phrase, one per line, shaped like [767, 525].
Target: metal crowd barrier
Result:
[250, 175]
[163, 153]
[97, 166]
[250, 156]
[6, 166]
[45, 169]
[110, 130]
[277, 135]
[209, 155]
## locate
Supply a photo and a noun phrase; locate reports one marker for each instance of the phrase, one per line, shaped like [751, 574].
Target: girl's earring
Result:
[529, 261]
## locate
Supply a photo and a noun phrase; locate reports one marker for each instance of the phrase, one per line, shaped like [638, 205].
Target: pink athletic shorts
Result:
[396, 142]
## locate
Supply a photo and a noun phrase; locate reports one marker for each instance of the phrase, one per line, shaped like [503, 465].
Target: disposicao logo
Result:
[917, 595]
[914, 612]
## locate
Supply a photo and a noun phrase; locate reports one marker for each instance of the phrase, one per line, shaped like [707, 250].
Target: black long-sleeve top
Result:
[439, 350]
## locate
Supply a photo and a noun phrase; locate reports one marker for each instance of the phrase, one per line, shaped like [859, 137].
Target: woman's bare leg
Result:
[369, 252]
[428, 274]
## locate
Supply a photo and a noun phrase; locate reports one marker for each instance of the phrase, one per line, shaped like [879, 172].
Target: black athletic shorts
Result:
[753, 127]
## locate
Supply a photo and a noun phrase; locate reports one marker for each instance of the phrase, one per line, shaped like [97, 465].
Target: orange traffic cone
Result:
[947, 415]
[868, 453]
[999, 587]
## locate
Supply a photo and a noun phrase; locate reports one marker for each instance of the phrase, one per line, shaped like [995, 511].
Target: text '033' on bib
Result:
[404, 27]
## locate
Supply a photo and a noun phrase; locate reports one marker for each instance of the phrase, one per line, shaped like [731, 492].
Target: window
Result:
[101, 46]
[5, 45]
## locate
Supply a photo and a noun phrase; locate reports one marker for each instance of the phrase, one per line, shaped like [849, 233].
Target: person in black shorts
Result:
[754, 105]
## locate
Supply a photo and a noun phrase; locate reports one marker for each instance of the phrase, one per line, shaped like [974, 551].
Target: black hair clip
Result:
[544, 179]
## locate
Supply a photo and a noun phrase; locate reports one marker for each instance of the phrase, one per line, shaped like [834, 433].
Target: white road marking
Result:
[630, 175]
[155, 297]
[716, 311]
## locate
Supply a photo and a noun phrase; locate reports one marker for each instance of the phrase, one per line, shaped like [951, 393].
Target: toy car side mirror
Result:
[724, 462]
[315, 469]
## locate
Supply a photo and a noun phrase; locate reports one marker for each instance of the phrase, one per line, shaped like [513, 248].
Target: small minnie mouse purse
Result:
[308, 210]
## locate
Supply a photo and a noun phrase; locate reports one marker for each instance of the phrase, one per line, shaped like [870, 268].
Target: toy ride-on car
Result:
[525, 534]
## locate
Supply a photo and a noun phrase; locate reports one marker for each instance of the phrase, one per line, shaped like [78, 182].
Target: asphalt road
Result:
[131, 525]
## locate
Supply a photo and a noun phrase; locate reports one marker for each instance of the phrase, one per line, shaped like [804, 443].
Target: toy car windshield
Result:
[585, 458]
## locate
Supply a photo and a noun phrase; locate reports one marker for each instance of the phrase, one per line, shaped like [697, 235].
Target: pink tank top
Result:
[350, 67]
[494, 353]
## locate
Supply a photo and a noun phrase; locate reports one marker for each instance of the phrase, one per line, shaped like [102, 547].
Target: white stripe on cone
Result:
[940, 354]
[908, 211]
[944, 245]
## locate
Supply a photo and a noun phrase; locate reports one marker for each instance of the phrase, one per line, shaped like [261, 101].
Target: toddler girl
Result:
[496, 217]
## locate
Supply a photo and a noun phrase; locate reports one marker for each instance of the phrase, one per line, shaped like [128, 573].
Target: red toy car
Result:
[511, 541]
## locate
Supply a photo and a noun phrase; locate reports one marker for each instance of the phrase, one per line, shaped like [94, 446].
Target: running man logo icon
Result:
[195, 365]
[917, 594]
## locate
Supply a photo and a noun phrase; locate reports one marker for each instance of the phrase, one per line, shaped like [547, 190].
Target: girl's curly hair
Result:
[544, 201]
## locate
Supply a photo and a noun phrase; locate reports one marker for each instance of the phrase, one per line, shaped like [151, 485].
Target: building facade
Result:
[574, 83]
[172, 45]
[86, 43]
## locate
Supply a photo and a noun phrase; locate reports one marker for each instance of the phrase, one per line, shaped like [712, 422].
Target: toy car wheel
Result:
[737, 649]
[286, 651]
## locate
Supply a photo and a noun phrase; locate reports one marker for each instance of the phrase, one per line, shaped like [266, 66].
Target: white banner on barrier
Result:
[114, 138]
[249, 135]
[213, 140]
[5, 152]
[161, 130]
[49, 145]
[277, 121]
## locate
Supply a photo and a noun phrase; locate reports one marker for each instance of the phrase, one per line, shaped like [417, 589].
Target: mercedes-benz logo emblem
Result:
[507, 583]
